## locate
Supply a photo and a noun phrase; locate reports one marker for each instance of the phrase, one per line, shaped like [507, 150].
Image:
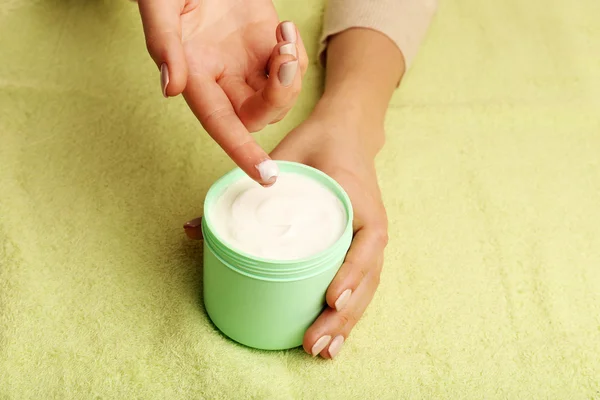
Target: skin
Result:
[217, 54]
[342, 137]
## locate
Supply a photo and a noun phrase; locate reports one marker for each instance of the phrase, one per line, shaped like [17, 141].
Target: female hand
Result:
[341, 138]
[336, 144]
[218, 54]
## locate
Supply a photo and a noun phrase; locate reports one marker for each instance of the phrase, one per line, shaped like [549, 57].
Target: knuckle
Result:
[217, 115]
[296, 89]
[363, 271]
[380, 230]
[273, 100]
[382, 237]
[347, 319]
[344, 319]
[252, 125]
[377, 278]
[303, 65]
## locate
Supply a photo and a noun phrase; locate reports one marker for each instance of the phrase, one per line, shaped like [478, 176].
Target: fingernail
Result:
[196, 222]
[341, 302]
[287, 72]
[268, 170]
[193, 229]
[336, 346]
[320, 345]
[288, 31]
[289, 48]
[164, 78]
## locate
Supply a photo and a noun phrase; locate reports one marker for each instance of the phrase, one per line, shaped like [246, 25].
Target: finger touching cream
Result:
[270, 253]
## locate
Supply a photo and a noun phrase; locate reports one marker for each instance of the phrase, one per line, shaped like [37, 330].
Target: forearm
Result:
[362, 71]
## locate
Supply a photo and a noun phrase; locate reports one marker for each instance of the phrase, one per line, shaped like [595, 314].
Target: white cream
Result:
[295, 218]
[267, 170]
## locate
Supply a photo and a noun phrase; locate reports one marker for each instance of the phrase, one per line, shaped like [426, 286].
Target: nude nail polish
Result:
[320, 345]
[336, 346]
[288, 31]
[341, 302]
[164, 78]
[287, 72]
[289, 48]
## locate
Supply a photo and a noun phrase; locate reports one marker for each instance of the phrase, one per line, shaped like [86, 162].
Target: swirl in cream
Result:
[295, 218]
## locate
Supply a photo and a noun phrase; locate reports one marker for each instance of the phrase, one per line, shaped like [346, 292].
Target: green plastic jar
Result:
[263, 303]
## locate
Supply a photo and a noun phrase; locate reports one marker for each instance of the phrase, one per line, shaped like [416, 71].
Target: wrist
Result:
[354, 105]
[348, 121]
[355, 102]
[363, 70]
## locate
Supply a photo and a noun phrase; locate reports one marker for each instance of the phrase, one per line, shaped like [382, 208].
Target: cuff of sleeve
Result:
[405, 22]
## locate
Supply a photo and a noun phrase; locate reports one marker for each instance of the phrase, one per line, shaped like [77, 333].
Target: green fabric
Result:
[490, 174]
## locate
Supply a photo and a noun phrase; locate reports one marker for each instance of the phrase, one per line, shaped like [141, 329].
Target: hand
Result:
[336, 145]
[218, 54]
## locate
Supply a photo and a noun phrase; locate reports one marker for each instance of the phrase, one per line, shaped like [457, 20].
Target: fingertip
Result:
[256, 163]
[253, 160]
[268, 171]
[172, 67]
[335, 346]
[340, 289]
[331, 297]
[317, 345]
[288, 48]
[276, 98]
[342, 300]
[320, 330]
[177, 81]
[164, 78]
[283, 65]
[176, 69]
[308, 341]
[287, 73]
[286, 31]
[193, 229]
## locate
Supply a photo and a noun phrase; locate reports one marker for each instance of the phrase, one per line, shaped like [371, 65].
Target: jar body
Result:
[265, 303]
[260, 313]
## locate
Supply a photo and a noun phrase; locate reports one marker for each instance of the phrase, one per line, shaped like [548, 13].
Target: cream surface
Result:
[295, 218]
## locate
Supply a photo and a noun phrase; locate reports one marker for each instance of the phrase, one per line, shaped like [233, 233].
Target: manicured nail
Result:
[320, 345]
[196, 222]
[336, 346]
[288, 31]
[164, 78]
[193, 229]
[287, 72]
[289, 48]
[341, 302]
[268, 171]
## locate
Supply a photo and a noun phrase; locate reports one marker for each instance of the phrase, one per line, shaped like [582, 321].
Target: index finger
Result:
[216, 114]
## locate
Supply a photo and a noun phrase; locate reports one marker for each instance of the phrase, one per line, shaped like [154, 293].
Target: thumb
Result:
[162, 29]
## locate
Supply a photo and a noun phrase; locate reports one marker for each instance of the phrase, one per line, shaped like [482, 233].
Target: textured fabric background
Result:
[491, 177]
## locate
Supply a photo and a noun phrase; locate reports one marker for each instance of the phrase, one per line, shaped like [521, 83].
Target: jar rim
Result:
[288, 167]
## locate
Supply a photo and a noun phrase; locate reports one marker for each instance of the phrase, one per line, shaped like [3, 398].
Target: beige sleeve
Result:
[403, 21]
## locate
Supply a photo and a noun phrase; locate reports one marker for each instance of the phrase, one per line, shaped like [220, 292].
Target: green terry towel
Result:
[490, 175]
